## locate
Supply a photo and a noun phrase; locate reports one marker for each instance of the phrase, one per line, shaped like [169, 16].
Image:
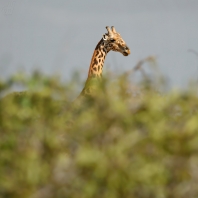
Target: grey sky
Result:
[60, 36]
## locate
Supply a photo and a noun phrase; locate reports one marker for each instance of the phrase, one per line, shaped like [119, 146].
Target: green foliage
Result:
[115, 143]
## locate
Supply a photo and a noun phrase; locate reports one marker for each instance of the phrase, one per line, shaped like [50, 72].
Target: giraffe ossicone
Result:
[111, 41]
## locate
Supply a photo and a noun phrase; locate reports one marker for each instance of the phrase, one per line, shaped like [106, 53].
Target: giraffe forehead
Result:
[117, 35]
[118, 38]
[120, 41]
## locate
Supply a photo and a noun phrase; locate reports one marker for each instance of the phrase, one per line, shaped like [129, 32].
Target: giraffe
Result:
[111, 40]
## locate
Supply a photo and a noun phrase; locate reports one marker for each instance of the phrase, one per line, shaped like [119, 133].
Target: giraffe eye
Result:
[112, 40]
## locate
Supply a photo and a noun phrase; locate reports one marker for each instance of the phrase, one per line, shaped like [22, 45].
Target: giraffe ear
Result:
[104, 37]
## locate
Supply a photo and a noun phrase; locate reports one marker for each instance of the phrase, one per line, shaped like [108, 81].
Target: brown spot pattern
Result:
[102, 48]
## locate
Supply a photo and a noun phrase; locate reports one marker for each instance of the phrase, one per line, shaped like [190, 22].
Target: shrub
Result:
[112, 144]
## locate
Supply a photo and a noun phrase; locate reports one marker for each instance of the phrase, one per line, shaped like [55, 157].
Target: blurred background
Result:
[60, 36]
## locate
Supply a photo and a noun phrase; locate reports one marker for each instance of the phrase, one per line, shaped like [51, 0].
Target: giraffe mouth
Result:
[125, 53]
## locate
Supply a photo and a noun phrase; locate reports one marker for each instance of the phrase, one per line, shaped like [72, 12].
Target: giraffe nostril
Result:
[126, 48]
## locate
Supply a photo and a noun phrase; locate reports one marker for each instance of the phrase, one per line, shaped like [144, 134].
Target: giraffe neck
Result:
[95, 69]
[97, 61]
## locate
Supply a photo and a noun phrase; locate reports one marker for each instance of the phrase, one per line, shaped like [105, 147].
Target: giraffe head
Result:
[113, 41]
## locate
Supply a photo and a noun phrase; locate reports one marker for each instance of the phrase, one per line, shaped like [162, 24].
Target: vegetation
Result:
[121, 142]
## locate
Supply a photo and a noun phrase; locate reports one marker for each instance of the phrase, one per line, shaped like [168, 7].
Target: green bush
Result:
[116, 143]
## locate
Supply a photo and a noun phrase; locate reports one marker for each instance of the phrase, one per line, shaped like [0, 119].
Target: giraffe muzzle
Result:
[126, 51]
